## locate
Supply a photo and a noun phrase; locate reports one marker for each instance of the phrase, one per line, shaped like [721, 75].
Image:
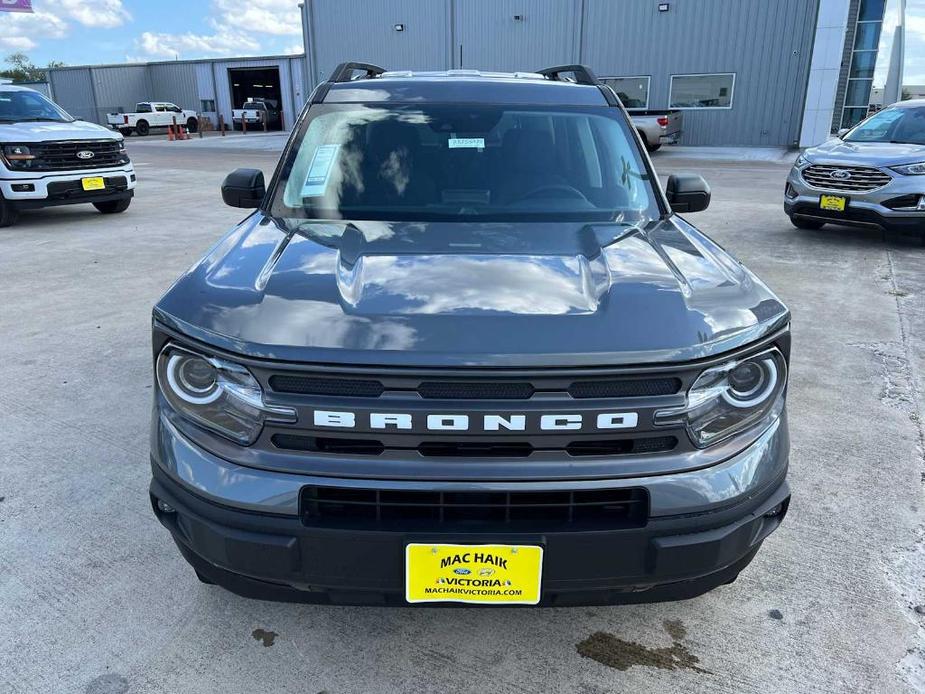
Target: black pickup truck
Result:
[464, 350]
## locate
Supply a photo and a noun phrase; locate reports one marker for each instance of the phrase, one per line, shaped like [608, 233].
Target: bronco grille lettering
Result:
[462, 422]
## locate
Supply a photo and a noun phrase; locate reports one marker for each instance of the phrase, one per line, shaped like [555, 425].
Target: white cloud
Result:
[19, 32]
[294, 49]
[277, 17]
[914, 67]
[237, 27]
[99, 14]
[223, 42]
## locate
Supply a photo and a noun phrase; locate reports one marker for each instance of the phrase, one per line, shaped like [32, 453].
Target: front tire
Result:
[113, 206]
[192, 126]
[142, 128]
[8, 214]
[810, 224]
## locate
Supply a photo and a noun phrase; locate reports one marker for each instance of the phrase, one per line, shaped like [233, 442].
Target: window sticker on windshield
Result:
[467, 142]
[316, 181]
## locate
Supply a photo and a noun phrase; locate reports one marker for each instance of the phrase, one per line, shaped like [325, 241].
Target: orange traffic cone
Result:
[170, 135]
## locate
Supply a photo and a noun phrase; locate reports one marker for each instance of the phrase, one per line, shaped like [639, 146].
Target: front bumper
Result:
[863, 209]
[240, 528]
[65, 188]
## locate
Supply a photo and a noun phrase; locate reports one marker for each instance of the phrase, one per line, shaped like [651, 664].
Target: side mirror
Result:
[244, 188]
[688, 193]
[842, 132]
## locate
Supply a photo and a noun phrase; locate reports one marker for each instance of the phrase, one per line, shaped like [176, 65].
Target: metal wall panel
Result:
[73, 91]
[766, 44]
[512, 35]
[364, 30]
[176, 83]
[119, 88]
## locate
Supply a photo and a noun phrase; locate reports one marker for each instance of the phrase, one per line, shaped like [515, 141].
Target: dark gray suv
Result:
[464, 350]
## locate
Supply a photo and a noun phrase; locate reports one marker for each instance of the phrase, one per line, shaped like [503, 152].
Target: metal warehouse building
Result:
[745, 72]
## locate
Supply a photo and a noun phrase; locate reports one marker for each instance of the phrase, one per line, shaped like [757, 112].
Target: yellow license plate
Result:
[833, 202]
[93, 183]
[480, 574]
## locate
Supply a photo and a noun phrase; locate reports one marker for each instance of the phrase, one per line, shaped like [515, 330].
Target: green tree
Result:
[20, 68]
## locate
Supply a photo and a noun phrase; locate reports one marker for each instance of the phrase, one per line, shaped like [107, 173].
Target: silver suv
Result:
[872, 175]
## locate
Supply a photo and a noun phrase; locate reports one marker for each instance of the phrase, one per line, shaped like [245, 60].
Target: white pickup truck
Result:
[48, 157]
[255, 113]
[152, 114]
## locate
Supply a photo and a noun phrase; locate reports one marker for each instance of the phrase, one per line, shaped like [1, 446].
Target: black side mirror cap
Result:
[688, 193]
[244, 188]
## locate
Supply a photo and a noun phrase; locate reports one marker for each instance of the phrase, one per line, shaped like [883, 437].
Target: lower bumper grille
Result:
[604, 508]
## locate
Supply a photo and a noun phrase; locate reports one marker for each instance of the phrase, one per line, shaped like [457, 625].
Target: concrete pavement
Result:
[95, 598]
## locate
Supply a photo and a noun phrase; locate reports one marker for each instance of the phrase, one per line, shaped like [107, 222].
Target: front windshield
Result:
[16, 107]
[464, 163]
[900, 125]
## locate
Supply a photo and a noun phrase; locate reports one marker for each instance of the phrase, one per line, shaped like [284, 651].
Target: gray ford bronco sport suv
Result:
[464, 350]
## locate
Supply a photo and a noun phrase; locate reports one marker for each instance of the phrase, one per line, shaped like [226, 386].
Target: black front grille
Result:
[473, 390]
[546, 510]
[473, 449]
[64, 156]
[625, 388]
[344, 387]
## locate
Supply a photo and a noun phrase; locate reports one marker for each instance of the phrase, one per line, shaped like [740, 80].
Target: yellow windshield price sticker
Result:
[478, 574]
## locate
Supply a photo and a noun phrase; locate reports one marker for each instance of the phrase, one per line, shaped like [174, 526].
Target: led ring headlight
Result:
[217, 394]
[755, 395]
[184, 383]
[731, 397]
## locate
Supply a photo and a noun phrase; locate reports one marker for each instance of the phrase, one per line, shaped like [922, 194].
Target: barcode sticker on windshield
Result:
[467, 142]
[316, 180]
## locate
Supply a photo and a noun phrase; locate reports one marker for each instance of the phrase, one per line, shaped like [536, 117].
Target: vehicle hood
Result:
[42, 131]
[440, 294]
[836, 151]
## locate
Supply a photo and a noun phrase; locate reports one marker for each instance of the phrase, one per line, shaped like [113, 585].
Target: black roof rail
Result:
[344, 71]
[583, 74]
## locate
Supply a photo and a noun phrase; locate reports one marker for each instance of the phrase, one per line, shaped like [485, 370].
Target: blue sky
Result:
[112, 31]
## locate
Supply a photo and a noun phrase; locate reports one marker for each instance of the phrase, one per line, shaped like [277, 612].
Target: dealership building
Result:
[778, 73]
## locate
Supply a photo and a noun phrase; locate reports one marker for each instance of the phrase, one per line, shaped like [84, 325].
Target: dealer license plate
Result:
[480, 574]
[93, 183]
[833, 202]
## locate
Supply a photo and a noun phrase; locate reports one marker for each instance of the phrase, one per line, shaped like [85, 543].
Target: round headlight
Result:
[751, 382]
[193, 378]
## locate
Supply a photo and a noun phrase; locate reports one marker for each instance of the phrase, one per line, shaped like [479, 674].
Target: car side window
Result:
[143, 108]
[161, 108]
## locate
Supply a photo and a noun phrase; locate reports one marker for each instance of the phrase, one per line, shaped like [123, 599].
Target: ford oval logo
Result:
[840, 175]
[85, 154]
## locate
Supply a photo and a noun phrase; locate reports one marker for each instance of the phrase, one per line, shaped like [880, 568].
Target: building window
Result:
[867, 36]
[633, 91]
[702, 91]
[207, 106]
[871, 10]
[863, 62]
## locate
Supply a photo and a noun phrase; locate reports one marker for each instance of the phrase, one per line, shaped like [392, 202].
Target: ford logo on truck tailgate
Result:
[85, 154]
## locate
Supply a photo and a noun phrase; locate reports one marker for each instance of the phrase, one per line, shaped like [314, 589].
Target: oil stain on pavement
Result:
[268, 637]
[620, 654]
